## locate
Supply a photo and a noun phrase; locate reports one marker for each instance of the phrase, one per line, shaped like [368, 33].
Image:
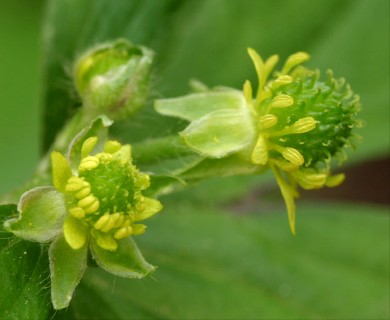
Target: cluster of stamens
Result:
[106, 194]
[265, 105]
[301, 123]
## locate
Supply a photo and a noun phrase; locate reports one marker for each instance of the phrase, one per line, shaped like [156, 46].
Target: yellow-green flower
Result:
[97, 202]
[294, 124]
[104, 197]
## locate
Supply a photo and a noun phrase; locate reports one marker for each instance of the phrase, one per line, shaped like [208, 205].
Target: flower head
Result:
[294, 124]
[302, 123]
[104, 197]
[97, 202]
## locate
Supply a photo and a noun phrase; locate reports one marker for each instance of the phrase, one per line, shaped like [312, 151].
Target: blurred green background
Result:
[20, 83]
[229, 256]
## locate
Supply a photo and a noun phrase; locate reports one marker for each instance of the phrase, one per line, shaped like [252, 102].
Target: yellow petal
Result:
[151, 207]
[334, 181]
[289, 194]
[88, 145]
[247, 90]
[260, 152]
[112, 146]
[75, 232]
[61, 171]
[294, 60]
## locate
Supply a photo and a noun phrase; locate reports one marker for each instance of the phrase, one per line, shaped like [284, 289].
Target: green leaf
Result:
[42, 211]
[24, 275]
[220, 266]
[126, 261]
[67, 266]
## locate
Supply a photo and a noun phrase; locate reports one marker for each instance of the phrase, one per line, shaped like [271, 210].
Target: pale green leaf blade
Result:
[24, 275]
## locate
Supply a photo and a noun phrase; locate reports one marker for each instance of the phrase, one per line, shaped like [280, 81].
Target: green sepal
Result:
[42, 211]
[198, 105]
[127, 261]
[97, 128]
[67, 267]
[220, 133]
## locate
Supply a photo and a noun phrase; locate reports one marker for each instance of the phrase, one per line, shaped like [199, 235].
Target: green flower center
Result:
[107, 194]
[301, 120]
[329, 103]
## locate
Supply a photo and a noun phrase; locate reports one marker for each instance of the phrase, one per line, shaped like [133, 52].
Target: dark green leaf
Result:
[220, 266]
[24, 275]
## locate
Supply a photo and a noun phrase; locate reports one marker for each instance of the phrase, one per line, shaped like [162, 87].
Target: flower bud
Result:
[113, 78]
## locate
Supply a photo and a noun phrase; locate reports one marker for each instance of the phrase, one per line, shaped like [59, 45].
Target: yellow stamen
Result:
[88, 163]
[75, 184]
[112, 146]
[267, 121]
[83, 192]
[108, 226]
[88, 145]
[282, 101]
[303, 125]
[77, 212]
[102, 221]
[93, 207]
[87, 201]
[123, 233]
[290, 154]
[119, 220]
